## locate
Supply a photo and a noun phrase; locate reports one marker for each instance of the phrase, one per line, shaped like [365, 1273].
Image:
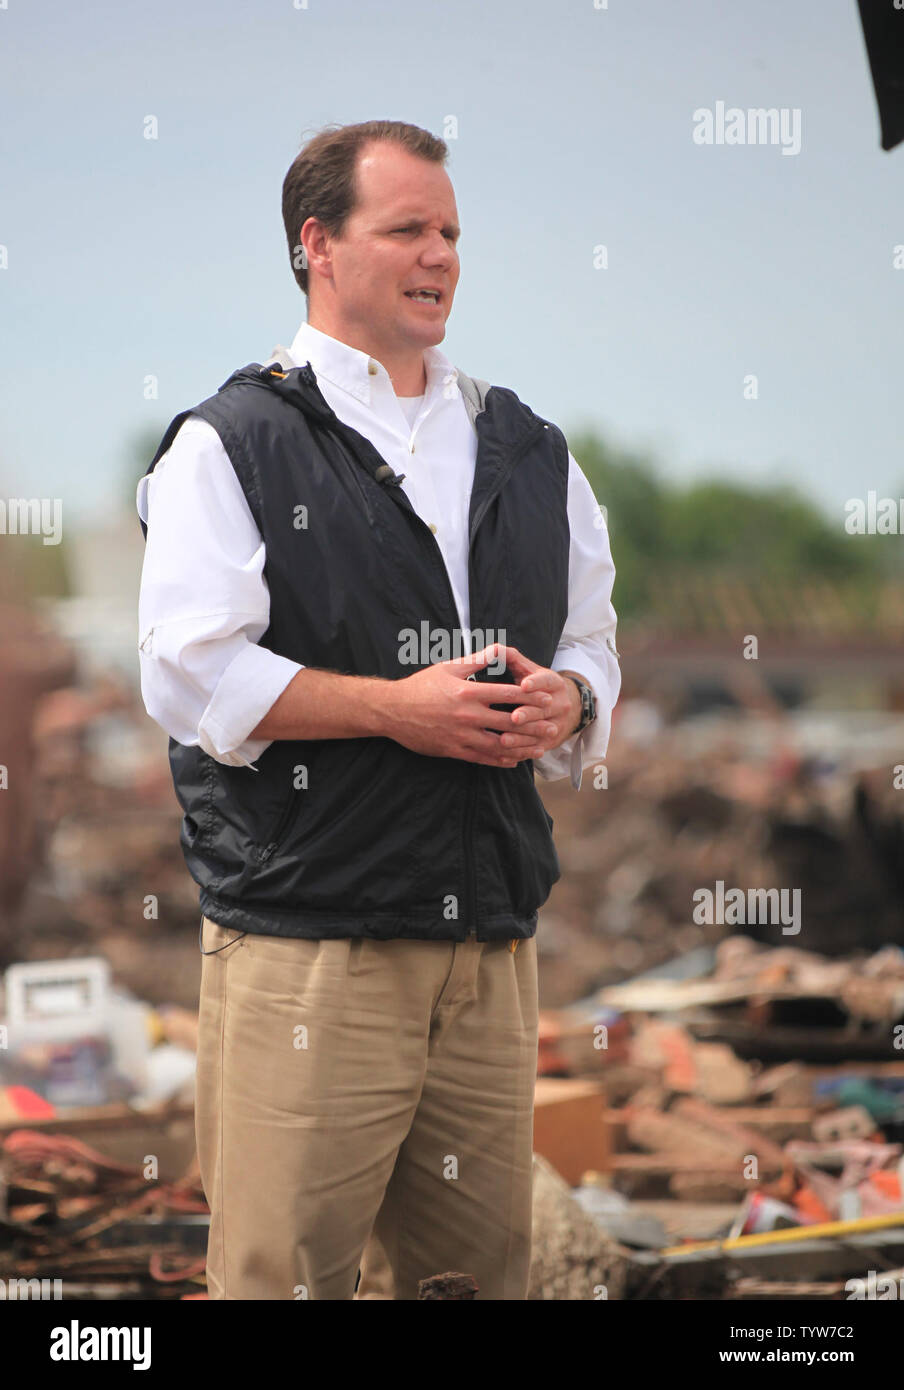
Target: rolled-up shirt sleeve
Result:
[204, 603]
[587, 644]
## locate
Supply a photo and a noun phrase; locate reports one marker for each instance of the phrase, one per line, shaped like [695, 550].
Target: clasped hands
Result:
[441, 712]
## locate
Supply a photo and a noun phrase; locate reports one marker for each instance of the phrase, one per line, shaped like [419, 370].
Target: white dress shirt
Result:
[204, 602]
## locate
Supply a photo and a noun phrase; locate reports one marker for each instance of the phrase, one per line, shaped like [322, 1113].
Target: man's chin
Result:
[432, 333]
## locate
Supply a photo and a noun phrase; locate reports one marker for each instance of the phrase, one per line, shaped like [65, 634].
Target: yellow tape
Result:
[823, 1228]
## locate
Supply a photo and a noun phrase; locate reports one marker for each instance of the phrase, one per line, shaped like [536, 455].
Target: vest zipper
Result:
[501, 480]
[474, 788]
[467, 835]
[470, 911]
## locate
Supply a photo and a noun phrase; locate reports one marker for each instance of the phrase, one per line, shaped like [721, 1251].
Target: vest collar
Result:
[280, 367]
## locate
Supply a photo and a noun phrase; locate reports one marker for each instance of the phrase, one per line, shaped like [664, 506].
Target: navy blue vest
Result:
[362, 837]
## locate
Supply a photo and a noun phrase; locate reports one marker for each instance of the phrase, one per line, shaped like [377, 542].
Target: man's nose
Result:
[439, 252]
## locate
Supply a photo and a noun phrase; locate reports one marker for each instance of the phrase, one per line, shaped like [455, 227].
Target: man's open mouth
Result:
[424, 296]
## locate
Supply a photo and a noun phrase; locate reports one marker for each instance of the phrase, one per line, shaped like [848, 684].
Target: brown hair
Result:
[321, 179]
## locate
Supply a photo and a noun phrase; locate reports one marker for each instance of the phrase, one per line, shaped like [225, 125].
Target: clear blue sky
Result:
[129, 257]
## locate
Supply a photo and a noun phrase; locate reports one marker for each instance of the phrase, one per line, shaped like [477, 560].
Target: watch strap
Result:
[588, 704]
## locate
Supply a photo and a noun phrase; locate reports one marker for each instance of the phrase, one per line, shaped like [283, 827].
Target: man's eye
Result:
[450, 236]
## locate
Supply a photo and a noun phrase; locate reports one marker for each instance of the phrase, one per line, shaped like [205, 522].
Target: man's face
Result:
[401, 237]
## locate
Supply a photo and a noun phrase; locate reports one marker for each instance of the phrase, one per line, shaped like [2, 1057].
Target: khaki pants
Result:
[367, 1104]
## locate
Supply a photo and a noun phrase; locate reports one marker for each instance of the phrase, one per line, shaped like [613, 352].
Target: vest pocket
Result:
[275, 837]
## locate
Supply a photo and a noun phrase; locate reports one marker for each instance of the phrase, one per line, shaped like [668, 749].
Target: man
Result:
[325, 536]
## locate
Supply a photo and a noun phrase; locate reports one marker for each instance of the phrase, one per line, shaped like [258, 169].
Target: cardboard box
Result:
[570, 1129]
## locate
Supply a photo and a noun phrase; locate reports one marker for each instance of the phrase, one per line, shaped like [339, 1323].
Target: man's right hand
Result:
[440, 712]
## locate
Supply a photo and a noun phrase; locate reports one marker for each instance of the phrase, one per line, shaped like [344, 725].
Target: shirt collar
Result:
[353, 370]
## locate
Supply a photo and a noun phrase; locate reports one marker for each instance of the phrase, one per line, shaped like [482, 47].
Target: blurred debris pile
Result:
[99, 1185]
[89, 822]
[33, 661]
[109, 818]
[807, 802]
[736, 1172]
[782, 1002]
[105, 1229]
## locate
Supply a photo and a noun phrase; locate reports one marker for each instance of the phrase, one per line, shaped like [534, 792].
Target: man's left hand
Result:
[562, 711]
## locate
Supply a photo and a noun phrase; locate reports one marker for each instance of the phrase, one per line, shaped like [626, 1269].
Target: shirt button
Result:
[372, 367]
[433, 527]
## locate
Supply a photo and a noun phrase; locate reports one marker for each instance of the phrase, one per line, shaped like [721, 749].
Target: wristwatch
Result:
[588, 704]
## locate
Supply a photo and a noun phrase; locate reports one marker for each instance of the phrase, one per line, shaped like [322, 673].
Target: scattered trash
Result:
[73, 1213]
[76, 1041]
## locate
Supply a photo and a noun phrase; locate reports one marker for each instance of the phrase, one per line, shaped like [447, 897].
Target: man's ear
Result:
[317, 247]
